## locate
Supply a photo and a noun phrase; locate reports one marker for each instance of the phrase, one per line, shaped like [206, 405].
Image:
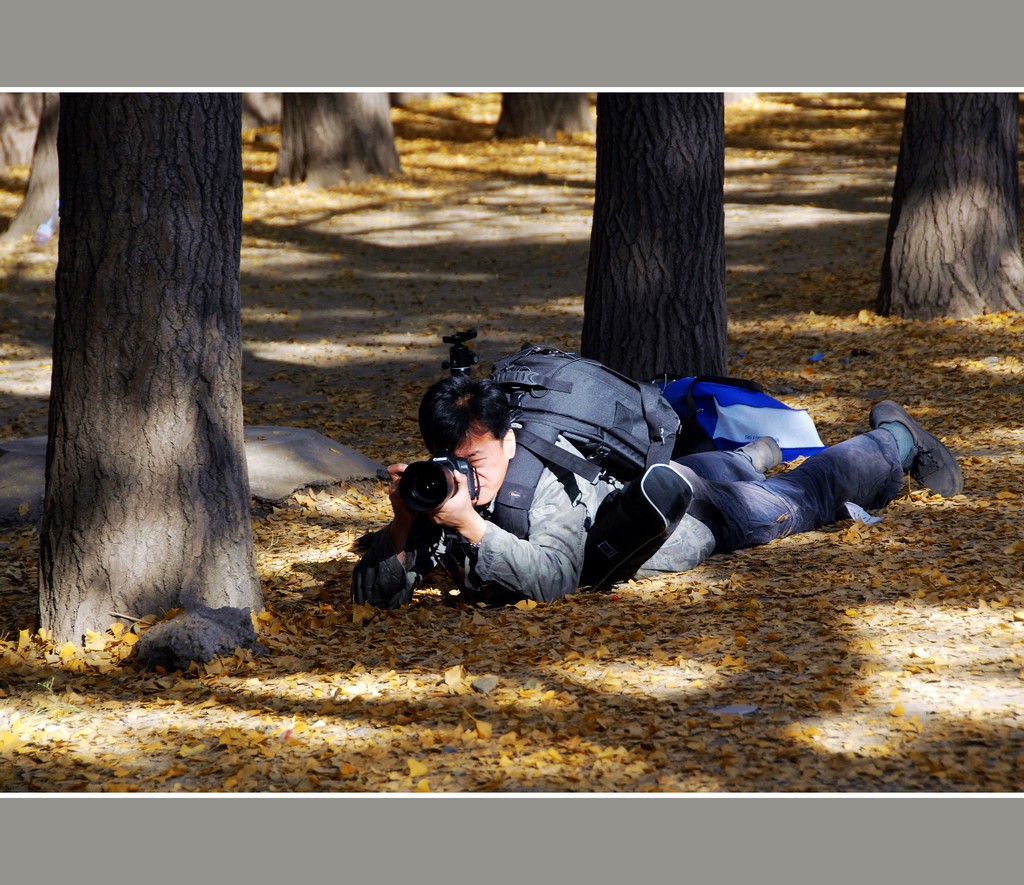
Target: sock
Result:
[904, 441]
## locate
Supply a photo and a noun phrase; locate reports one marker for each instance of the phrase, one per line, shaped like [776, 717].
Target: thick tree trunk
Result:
[543, 114]
[655, 298]
[405, 99]
[147, 495]
[260, 109]
[19, 122]
[953, 247]
[331, 138]
[41, 195]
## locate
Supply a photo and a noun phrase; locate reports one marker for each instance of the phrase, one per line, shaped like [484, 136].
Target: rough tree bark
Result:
[41, 194]
[953, 246]
[147, 495]
[655, 296]
[330, 138]
[543, 114]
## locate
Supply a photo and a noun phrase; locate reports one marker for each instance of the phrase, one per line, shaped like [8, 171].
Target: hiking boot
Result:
[933, 465]
[764, 453]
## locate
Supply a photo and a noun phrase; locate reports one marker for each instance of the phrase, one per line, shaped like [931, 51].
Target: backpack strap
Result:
[662, 438]
[511, 508]
[550, 452]
[514, 500]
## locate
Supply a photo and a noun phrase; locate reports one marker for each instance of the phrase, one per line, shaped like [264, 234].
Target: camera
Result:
[426, 485]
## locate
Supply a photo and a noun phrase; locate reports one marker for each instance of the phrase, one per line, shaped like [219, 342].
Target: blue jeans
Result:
[743, 509]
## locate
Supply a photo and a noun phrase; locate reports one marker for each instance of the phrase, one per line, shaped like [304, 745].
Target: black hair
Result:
[456, 406]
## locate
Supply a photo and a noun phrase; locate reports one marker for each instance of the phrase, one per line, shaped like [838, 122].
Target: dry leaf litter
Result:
[883, 657]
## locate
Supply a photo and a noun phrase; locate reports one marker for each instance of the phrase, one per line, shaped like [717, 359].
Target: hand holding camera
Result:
[433, 486]
[426, 485]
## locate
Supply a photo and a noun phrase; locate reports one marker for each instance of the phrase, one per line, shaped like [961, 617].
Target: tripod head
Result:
[461, 358]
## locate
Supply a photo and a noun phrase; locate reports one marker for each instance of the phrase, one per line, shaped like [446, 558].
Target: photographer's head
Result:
[470, 417]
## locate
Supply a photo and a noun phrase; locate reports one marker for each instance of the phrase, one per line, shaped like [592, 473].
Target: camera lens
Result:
[426, 486]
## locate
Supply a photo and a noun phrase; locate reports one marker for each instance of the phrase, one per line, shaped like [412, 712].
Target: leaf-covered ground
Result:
[885, 657]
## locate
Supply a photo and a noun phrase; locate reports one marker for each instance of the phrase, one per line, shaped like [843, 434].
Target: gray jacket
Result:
[504, 568]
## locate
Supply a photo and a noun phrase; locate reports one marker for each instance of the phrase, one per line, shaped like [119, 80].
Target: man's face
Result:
[489, 455]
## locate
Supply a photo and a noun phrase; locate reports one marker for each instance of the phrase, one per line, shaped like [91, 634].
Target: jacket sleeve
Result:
[547, 565]
[382, 580]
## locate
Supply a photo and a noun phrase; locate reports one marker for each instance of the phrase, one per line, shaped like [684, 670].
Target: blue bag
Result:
[725, 413]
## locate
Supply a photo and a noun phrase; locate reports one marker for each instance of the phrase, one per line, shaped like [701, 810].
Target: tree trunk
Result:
[543, 114]
[41, 196]
[953, 247]
[655, 297]
[407, 99]
[147, 495]
[331, 138]
[19, 122]
[260, 109]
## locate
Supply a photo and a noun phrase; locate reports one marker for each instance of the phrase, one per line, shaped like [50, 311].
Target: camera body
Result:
[426, 485]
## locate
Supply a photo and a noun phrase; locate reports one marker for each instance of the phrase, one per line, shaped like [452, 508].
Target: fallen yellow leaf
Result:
[231, 737]
[194, 750]
[454, 676]
[9, 741]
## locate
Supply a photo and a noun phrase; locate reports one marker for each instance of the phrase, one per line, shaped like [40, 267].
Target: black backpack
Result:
[621, 426]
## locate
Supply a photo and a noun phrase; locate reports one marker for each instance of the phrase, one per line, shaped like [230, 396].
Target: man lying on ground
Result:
[595, 535]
